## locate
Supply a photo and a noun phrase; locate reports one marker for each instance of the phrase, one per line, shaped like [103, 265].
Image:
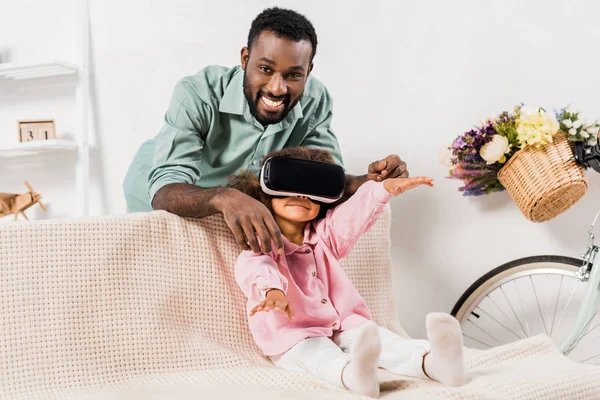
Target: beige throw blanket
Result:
[146, 306]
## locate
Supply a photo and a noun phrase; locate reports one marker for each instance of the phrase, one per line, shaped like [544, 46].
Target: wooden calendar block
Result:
[36, 130]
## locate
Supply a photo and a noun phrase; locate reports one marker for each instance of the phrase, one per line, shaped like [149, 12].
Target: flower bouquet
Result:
[529, 152]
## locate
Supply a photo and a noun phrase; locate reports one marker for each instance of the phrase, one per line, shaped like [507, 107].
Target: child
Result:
[321, 324]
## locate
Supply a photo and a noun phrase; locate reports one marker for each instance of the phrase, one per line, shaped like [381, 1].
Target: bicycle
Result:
[489, 318]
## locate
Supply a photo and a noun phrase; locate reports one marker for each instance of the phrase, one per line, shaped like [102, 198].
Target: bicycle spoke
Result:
[500, 323]
[538, 303]
[575, 342]
[547, 298]
[590, 358]
[589, 323]
[568, 302]
[478, 341]
[522, 309]
[562, 277]
[511, 307]
[484, 331]
[582, 334]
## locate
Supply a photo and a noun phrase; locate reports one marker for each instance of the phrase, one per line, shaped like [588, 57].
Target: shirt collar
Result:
[234, 102]
[310, 238]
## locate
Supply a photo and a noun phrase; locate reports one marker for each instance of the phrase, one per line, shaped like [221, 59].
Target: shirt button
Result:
[323, 301]
[334, 324]
[307, 251]
[314, 273]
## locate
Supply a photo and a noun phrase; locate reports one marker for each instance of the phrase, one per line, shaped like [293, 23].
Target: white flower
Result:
[577, 124]
[590, 124]
[572, 131]
[568, 123]
[592, 130]
[584, 134]
[495, 150]
[445, 156]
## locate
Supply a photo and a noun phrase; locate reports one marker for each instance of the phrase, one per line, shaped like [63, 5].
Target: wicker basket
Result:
[544, 182]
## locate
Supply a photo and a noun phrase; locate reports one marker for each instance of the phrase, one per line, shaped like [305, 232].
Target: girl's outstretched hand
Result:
[275, 300]
[396, 186]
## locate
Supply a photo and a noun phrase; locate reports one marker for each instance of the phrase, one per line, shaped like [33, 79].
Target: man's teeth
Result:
[272, 103]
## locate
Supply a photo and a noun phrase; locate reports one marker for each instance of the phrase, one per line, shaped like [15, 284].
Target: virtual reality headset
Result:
[287, 176]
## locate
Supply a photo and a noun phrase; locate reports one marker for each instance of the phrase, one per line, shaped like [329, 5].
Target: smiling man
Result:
[222, 120]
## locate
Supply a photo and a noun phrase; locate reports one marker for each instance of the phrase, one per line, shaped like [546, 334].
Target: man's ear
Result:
[310, 68]
[244, 56]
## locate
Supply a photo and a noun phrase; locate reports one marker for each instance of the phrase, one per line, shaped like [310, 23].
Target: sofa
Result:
[146, 306]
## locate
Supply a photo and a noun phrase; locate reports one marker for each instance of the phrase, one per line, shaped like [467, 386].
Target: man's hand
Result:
[396, 186]
[247, 218]
[275, 300]
[390, 167]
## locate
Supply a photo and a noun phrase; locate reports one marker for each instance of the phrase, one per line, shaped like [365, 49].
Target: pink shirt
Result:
[319, 291]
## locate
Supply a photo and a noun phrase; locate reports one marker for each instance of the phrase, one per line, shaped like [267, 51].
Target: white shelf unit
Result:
[37, 147]
[14, 74]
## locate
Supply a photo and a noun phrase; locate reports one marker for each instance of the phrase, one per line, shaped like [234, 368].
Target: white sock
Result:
[360, 374]
[445, 362]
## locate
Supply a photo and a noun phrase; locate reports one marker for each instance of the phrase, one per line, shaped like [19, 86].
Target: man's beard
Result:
[253, 104]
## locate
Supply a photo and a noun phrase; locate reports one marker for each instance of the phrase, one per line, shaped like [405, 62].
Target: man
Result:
[222, 120]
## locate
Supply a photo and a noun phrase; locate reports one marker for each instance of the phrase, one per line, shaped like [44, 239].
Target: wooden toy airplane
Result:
[13, 203]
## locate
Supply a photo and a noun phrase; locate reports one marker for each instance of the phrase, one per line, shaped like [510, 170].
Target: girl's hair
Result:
[248, 183]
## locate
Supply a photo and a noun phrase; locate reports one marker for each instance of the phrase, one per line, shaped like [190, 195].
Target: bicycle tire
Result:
[507, 269]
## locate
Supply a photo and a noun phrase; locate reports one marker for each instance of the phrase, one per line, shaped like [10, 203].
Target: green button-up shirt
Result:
[209, 134]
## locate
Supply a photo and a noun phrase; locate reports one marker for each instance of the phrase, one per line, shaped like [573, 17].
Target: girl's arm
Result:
[344, 225]
[258, 273]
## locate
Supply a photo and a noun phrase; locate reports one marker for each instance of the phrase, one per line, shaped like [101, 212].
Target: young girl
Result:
[320, 323]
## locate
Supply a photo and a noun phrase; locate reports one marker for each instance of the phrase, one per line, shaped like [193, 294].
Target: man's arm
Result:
[246, 217]
[353, 182]
[176, 169]
[390, 167]
[189, 200]
[180, 142]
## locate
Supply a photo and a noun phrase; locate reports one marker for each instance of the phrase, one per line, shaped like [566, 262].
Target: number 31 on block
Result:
[36, 130]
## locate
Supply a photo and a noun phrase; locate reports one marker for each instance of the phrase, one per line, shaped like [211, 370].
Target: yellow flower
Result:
[535, 127]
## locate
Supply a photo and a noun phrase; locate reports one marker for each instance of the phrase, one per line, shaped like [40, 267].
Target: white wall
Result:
[407, 77]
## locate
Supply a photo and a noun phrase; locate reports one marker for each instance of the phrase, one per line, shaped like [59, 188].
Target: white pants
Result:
[326, 357]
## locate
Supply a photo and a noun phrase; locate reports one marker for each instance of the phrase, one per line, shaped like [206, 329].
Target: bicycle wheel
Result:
[523, 298]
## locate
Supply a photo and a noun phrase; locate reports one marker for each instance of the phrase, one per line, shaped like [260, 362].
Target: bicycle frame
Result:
[590, 270]
[591, 299]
